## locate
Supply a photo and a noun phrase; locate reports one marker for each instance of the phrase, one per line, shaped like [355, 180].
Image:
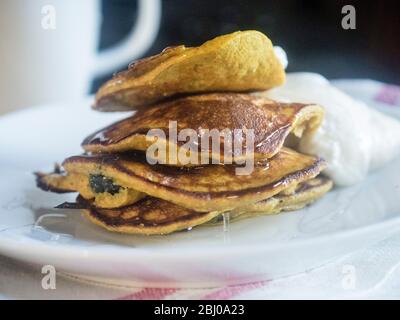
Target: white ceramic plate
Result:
[260, 248]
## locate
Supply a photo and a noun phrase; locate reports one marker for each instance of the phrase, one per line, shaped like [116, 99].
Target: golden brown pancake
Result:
[238, 62]
[147, 216]
[301, 195]
[61, 182]
[271, 121]
[155, 216]
[204, 188]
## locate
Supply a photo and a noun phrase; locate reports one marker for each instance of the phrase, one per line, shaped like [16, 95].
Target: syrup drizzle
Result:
[226, 226]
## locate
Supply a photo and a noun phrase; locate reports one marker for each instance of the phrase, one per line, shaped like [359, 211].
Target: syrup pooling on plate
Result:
[53, 226]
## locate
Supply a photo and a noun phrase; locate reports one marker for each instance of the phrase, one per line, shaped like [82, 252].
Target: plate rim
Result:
[170, 252]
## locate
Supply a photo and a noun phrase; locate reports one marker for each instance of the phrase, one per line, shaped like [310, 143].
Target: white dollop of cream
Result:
[281, 55]
[353, 138]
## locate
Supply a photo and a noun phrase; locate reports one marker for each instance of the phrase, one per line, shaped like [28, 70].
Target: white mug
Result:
[48, 48]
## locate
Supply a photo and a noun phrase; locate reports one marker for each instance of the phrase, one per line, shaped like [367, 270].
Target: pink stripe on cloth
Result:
[232, 291]
[150, 294]
[224, 293]
[389, 94]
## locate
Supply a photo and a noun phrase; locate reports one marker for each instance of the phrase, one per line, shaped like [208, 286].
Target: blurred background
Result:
[66, 67]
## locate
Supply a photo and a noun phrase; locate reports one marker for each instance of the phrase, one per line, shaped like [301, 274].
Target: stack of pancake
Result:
[122, 189]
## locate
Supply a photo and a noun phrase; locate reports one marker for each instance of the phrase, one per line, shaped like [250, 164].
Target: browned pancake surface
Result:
[205, 188]
[155, 216]
[270, 121]
[239, 62]
[147, 216]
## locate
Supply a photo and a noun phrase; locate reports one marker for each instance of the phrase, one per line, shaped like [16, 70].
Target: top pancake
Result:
[238, 62]
[271, 121]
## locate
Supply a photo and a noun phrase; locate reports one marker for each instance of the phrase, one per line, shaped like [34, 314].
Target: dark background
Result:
[310, 31]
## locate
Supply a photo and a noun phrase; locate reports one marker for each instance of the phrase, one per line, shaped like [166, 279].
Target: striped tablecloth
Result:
[372, 273]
